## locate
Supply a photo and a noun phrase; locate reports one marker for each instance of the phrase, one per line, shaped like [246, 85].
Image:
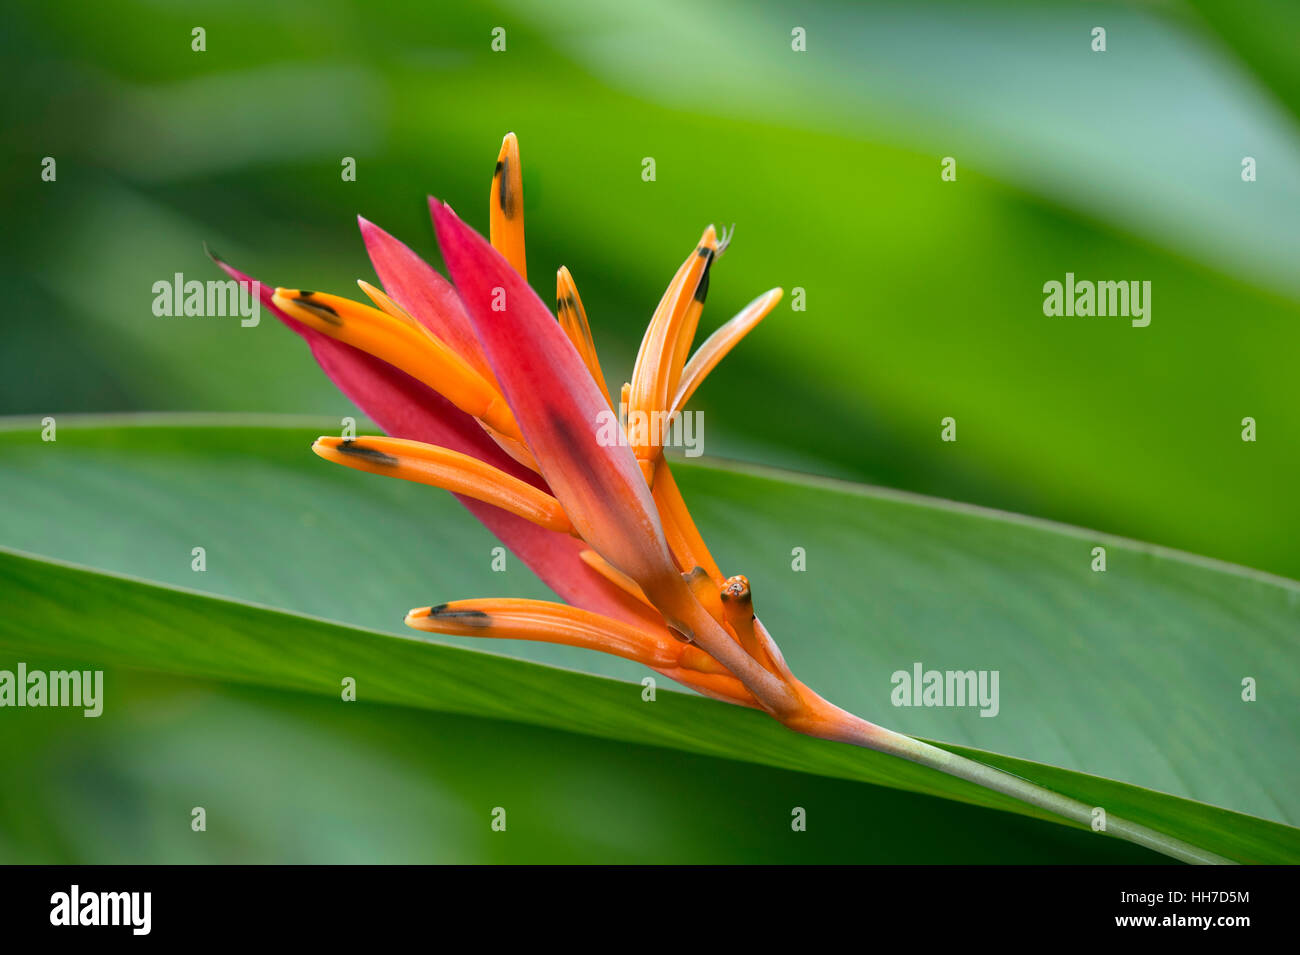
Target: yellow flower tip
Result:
[447, 618]
[306, 307]
[356, 454]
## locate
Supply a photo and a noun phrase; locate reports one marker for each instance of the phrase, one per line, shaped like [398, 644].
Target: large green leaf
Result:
[150, 626]
[1133, 674]
[288, 777]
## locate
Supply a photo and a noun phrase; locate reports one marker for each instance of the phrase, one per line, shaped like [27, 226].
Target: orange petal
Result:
[451, 470]
[683, 537]
[518, 619]
[573, 319]
[403, 344]
[506, 206]
[717, 345]
[655, 368]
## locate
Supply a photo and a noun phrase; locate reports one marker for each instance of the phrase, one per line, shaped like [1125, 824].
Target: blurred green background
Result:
[924, 297]
[924, 300]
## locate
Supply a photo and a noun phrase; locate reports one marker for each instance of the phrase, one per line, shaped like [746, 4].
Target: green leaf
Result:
[287, 777]
[1133, 674]
[1262, 35]
[155, 627]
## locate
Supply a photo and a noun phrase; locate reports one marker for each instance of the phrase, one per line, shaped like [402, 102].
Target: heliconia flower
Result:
[482, 391]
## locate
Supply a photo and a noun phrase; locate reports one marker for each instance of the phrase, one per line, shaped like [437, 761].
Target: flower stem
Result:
[847, 728]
